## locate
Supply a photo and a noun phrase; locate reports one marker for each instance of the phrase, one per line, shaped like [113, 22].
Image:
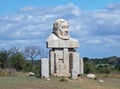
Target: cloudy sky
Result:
[95, 23]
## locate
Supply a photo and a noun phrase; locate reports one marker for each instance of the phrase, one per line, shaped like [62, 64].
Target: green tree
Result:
[3, 58]
[28, 66]
[89, 66]
[17, 61]
[103, 68]
[117, 66]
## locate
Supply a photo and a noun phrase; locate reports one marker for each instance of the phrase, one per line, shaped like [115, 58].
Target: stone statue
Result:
[60, 29]
[64, 60]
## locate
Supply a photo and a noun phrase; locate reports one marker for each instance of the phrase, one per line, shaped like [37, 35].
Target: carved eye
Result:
[63, 27]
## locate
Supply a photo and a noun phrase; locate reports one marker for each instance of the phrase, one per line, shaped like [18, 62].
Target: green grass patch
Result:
[25, 82]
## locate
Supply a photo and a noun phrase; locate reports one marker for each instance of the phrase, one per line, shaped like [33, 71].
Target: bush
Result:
[104, 68]
[89, 67]
[17, 61]
[28, 67]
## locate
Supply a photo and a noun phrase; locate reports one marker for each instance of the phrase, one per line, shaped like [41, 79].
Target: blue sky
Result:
[10, 6]
[94, 23]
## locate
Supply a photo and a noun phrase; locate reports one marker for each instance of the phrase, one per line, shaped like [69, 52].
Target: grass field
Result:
[25, 82]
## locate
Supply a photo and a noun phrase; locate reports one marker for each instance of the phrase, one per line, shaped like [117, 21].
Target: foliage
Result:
[117, 67]
[103, 65]
[17, 61]
[103, 68]
[3, 58]
[28, 66]
[89, 66]
[14, 58]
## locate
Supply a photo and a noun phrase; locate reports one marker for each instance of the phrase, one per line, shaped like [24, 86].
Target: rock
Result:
[101, 81]
[93, 76]
[48, 79]
[31, 74]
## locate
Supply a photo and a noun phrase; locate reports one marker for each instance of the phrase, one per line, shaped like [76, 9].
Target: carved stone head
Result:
[60, 29]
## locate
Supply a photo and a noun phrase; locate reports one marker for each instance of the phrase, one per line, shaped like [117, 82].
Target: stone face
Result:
[60, 29]
[45, 68]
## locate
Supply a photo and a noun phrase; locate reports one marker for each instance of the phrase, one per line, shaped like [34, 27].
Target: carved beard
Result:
[62, 35]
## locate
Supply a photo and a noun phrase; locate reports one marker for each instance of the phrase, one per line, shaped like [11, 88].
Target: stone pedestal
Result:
[63, 57]
[44, 68]
[64, 60]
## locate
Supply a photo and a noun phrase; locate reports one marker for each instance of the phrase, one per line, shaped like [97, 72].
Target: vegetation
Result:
[14, 63]
[17, 59]
[103, 65]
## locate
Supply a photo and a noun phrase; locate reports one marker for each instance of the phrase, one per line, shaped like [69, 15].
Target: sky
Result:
[94, 23]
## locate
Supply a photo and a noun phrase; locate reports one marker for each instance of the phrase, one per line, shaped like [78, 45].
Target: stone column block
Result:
[45, 68]
[76, 62]
[81, 66]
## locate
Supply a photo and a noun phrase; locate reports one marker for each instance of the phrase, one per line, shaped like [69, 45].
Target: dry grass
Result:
[10, 72]
[24, 82]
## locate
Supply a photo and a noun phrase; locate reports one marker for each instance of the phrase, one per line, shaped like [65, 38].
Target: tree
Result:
[117, 66]
[89, 66]
[14, 50]
[17, 61]
[33, 52]
[3, 58]
[103, 68]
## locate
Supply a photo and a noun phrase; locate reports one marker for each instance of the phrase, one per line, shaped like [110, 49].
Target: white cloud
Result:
[32, 25]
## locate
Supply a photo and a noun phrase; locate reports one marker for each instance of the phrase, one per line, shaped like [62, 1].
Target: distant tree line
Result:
[101, 65]
[22, 59]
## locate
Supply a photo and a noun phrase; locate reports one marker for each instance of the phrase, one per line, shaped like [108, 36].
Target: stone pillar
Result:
[76, 65]
[52, 60]
[81, 66]
[59, 62]
[45, 68]
[66, 62]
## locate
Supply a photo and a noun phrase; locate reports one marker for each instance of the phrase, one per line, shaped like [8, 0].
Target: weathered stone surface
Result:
[52, 62]
[54, 42]
[64, 60]
[60, 29]
[76, 63]
[45, 68]
[81, 66]
[74, 75]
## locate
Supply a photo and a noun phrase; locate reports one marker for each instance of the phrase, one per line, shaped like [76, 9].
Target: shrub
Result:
[103, 68]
